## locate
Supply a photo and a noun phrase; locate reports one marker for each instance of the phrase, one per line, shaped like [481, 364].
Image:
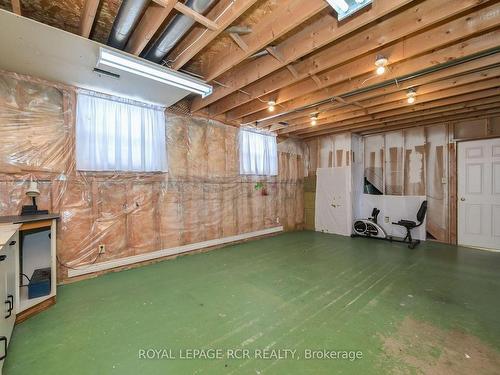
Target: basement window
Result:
[115, 134]
[258, 153]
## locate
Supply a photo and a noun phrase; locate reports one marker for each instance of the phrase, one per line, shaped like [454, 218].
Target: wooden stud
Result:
[316, 80]
[292, 70]
[239, 41]
[87, 18]
[209, 24]
[275, 53]
[16, 7]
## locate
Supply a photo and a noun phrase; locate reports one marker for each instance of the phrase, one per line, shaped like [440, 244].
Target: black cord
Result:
[72, 268]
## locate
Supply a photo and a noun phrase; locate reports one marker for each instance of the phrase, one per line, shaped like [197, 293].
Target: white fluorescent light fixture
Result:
[345, 8]
[121, 61]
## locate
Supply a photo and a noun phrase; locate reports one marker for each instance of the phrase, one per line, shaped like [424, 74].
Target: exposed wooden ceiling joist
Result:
[201, 19]
[153, 18]
[433, 101]
[88, 15]
[470, 107]
[441, 97]
[472, 46]
[482, 111]
[225, 12]
[289, 14]
[312, 37]
[356, 62]
[397, 95]
[239, 41]
[16, 6]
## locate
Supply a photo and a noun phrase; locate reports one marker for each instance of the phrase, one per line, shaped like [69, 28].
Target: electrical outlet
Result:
[102, 249]
[386, 219]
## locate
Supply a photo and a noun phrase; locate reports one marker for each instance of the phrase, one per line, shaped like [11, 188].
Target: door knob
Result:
[462, 199]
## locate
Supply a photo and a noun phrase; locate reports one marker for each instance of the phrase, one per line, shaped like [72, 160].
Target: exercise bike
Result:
[371, 229]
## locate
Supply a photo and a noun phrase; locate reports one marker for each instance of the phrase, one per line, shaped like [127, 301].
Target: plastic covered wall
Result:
[409, 162]
[413, 162]
[202, 197]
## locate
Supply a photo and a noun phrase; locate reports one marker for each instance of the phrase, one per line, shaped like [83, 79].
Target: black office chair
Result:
[409, 225]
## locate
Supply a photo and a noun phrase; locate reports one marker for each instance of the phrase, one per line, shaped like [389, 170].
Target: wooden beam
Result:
[464, 68]
[460, 95]
[187, 11]
[287, 15]
[87, 18]
[378, 99]
[225, 12]
[240, 42]
[486, 111]
[149, 24]
[351, 62]
[472, 46]
[445, 117]
[431, 100]
[316, 80]
[16, 7]
[318, 34]
[292, 70]
[410, 117]
[440, 116]
[275, 53]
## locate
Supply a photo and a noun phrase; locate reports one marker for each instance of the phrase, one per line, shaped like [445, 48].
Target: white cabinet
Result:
[8, 254]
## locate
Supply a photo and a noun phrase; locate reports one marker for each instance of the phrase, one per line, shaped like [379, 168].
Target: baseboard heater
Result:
[78, 271]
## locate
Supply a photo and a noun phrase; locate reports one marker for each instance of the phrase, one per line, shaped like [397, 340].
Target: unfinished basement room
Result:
[290, 187]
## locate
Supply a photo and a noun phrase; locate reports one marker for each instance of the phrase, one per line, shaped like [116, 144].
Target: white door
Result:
[479, 193]
[333, 200]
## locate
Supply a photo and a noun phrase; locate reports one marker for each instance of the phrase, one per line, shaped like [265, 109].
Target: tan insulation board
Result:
[202, 197]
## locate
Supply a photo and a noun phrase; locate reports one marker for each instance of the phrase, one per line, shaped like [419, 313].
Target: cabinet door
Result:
[4, 324]
[10, 281]
[7, 293]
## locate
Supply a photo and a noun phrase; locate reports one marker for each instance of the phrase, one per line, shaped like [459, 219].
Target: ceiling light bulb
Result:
[314, 119]
[380, 70]
[411, 94]
[381, 63]
[271, 105]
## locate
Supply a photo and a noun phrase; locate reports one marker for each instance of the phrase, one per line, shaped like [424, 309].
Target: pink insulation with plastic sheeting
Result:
[202, 197]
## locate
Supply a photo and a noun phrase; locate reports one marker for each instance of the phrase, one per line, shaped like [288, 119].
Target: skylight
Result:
[345, 8]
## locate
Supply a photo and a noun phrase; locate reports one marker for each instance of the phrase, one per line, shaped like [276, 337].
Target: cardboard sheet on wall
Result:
[333, 200]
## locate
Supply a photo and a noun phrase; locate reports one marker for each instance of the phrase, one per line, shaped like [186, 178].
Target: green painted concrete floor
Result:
[435, 309]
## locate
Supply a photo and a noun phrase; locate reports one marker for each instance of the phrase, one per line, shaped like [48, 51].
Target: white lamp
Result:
[33, 192]
[33, 189]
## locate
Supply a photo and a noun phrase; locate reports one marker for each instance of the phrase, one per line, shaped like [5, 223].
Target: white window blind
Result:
[119, 135]
[258, 153]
